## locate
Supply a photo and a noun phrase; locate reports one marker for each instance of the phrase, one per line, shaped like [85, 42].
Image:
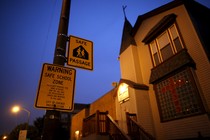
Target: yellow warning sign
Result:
[80, 53]
[56, 88]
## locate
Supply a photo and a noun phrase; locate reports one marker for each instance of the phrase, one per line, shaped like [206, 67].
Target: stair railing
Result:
[135, 130]
[115, 132]
[102, 123]
[95, 124]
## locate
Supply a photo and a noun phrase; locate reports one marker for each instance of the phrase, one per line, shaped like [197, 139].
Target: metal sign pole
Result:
[52, 126]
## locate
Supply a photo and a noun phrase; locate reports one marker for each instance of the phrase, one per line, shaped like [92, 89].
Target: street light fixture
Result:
[16, 109]
[4, 137]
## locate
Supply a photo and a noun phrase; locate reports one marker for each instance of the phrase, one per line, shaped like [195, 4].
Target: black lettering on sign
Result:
[63, 77]
[59, 70]
[50, 75]
[81, 42]
[58, 82]
[77, 61]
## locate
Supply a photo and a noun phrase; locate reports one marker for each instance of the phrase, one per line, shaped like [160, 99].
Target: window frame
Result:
[196, 95]
[171, 42]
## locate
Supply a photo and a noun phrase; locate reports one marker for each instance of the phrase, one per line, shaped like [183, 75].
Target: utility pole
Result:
[52, 126]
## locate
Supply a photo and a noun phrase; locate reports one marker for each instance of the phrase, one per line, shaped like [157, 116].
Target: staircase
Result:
[136, 131]
[101, 126]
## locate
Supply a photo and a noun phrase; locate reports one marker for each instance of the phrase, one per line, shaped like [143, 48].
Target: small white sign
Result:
[56, 88]
[22, 135]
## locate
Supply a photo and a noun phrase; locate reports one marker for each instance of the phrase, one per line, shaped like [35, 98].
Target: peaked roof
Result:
[131, 84]
[167, 20]
[191, 5]
[127, 39]
[134, 85]
[194, 9]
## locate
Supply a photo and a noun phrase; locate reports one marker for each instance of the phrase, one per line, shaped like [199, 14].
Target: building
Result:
[60, 122]
[65, 117]
[164, 90]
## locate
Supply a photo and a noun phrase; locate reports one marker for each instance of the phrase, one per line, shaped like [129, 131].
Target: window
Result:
[178, 96]
[64, 117]
[165, 45]
[78, 135]
[123, 94]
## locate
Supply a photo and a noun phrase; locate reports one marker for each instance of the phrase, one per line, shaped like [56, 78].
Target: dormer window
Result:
[164, 40]
[165, 45]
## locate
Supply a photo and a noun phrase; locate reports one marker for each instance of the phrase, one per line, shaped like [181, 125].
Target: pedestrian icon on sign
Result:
[80, 52]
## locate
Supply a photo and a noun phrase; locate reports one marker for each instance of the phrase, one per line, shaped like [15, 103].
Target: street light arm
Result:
[28, 116]
[16, 109]
[26, 110]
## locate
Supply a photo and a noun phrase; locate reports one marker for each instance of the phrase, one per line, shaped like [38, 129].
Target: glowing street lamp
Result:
[4, 137]
[16, 109]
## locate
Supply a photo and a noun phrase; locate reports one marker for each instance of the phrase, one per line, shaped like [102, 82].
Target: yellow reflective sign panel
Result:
[56, 88]
[80, 53]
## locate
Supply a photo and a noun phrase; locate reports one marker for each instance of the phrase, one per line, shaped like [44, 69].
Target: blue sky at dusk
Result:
[28, 32]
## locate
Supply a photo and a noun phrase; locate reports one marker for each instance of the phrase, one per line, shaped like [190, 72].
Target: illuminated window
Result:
[178, 96]
[123, 94]
[77, 135]
[165, 45]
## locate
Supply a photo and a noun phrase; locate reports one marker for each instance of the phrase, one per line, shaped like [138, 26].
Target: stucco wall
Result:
[77, 121]
[105, 103]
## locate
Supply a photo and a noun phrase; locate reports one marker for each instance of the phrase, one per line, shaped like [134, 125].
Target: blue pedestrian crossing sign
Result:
[80, 53]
